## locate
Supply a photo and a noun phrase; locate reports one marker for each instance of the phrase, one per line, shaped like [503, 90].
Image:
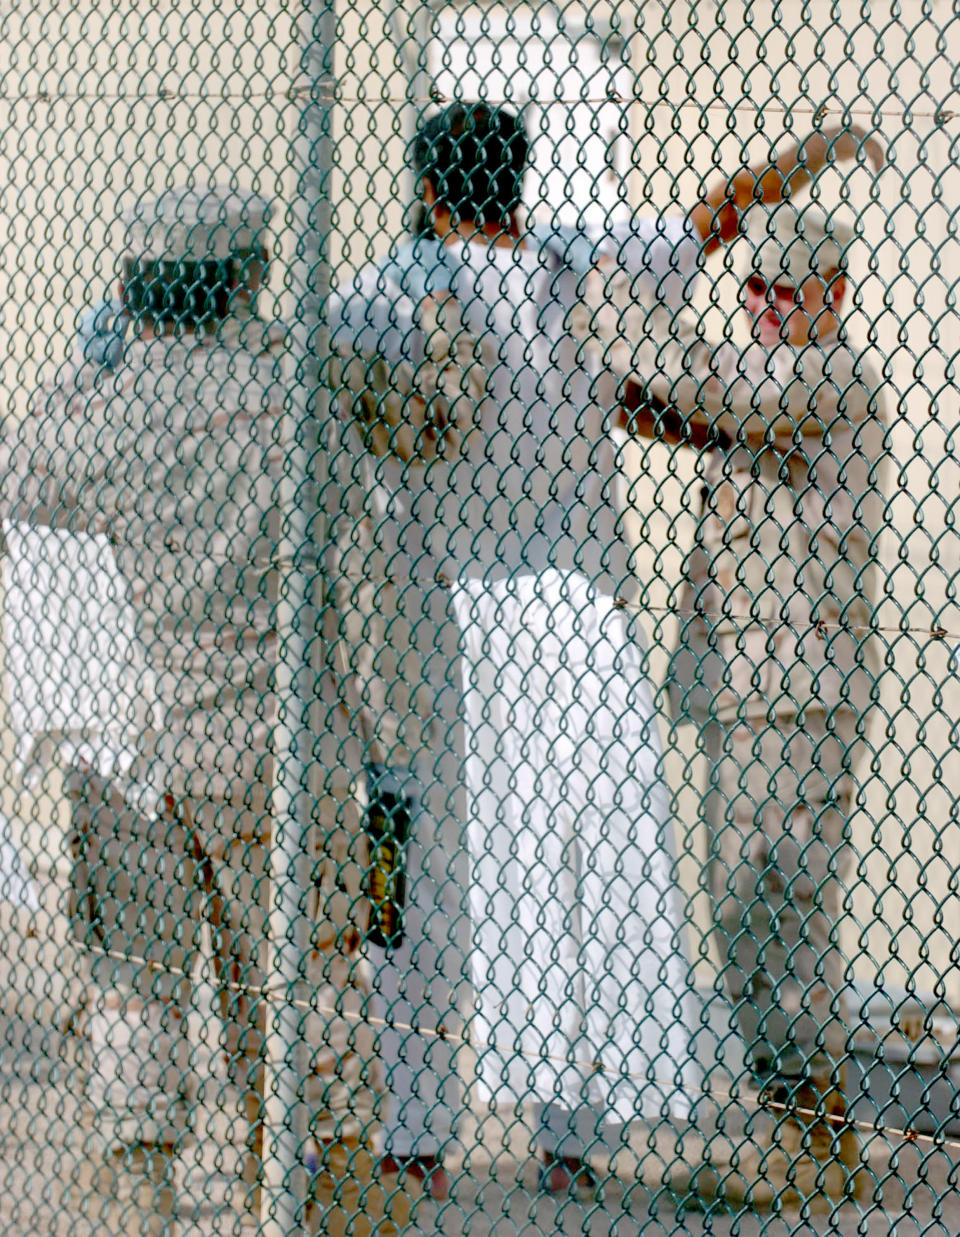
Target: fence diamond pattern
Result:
[479, 611]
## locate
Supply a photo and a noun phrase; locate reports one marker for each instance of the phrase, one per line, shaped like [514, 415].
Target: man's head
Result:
[796, 278]
[470, 160]
[189, 254]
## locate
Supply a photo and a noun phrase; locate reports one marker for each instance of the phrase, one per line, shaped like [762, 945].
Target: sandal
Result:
[569, 1175]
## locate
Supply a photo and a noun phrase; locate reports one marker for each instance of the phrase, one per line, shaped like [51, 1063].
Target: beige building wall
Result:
[102, 103]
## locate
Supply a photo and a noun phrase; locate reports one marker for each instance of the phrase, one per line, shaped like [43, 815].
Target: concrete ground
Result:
[915, 1187]
[45, 1160]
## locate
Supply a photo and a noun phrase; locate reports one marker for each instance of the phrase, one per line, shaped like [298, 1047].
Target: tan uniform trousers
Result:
[348, 1198]
[778, 805]
[142, 889]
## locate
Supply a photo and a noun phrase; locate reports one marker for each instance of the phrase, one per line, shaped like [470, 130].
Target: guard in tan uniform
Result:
[172, 445]
[778, 659]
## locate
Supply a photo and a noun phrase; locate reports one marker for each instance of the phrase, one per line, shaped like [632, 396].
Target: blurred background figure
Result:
[169, 446]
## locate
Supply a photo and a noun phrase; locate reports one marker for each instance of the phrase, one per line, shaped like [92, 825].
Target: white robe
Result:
[540, 484]
[579, 963]
[73, 667]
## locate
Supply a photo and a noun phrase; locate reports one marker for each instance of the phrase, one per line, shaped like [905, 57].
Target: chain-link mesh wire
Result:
[479, 618]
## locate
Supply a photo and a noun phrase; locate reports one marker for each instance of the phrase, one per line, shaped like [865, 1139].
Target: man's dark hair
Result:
[474, 157]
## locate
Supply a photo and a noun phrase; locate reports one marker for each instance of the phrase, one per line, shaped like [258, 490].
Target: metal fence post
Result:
[301, 658]
[411, 39]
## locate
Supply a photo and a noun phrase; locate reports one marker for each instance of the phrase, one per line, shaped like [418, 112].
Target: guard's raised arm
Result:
[717, 217]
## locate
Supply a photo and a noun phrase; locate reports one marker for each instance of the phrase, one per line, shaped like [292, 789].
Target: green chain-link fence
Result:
[479, 618]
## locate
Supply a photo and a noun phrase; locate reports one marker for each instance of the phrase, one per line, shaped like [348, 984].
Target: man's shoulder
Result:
[853, 374]
[370, 314]
[370, 286]
[79, 386]
[76, 384]
[832, 369]
[248, 333]
[244, 348]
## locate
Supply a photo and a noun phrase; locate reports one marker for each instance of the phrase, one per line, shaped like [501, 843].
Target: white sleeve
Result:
[369, 316]
[662, 252]
[751, 389]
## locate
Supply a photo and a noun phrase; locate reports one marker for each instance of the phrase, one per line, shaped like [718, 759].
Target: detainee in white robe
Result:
[538, 484]
[582, 978]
